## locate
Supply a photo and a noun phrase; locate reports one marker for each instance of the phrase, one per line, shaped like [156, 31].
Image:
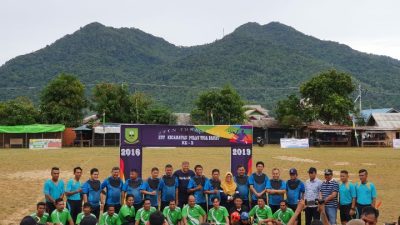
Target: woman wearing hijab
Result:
[228, 186]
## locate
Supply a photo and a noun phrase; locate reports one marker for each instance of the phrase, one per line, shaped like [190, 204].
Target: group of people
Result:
[187, 197]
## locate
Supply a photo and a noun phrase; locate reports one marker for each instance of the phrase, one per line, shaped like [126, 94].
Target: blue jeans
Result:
[331, 212]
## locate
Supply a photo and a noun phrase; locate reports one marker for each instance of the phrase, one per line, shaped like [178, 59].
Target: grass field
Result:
[24, 171]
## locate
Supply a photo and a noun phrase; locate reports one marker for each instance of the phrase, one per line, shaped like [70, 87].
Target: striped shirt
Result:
[327, 188]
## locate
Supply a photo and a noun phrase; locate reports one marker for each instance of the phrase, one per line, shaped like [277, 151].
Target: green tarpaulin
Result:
[31, 129]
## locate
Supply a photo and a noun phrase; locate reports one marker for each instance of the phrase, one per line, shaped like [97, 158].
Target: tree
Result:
[113, 100]
[219, 107]
[328, 96]
[157, 115]
[139, 104]
[63, 100]
[291, 112]
[18, 111]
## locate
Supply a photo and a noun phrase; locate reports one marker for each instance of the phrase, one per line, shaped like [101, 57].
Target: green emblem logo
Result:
[131, 135]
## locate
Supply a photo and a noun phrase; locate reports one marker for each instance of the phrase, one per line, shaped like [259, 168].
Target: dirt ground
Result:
[24, 171]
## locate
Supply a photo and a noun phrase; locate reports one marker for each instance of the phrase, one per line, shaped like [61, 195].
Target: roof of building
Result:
[366, 113]
[384, 120]
[264, 123]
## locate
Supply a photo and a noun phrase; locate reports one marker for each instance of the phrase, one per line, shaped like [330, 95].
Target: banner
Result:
[181, 136]
[130, 158]
[133, 136]
[396, 143]
[241, 155]
[294, 143]
[45, 143]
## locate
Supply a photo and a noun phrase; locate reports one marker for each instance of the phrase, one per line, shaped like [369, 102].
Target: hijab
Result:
[228, 187]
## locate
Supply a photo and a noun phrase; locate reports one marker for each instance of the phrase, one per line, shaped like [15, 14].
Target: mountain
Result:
[263, 62]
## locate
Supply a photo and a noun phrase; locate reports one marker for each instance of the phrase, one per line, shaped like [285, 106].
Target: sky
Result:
[370, 26]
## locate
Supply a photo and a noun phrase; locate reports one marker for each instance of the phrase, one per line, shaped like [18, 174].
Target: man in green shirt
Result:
[127, 211]
[173, 213]
[40, 216]
[110, 217]
[261, 213]
[218, 214]
[143, 214]
[87, 211]
[283, 215]
[61, 215]
[193, 214]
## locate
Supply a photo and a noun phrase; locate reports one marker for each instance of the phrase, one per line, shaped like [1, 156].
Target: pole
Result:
[104, 128]
[359, 92]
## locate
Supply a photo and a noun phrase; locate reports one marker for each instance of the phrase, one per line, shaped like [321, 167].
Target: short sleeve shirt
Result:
[73, 185]
[53, 189]
[41, 220]
[261, 213]
[106, 219]
[347, 191]
[144, 215]
[218, 216]
[126, 211]
[81, 216]
[283, 216]
[61, 217]
[172, 216]
[193, 214]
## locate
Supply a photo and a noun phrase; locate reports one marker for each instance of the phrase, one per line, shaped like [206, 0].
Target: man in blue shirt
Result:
[294, 192]
[347, 198]
[53, 189]
[196, 187]
[73, 193]
[213, 187]
[258, 181]
[151, 188]
[329, 192]
[276, 189]
[113, 186]
[91, 192]
[132, 187]
[312, 188]
[242, 183]
[168, 187]
[366, 191]
[184, 175]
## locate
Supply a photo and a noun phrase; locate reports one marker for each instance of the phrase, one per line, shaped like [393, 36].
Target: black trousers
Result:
[117, 207]
[359, 209]
[274, 208]
[311, 214]
[96, 211]
[74, 207]
[50, 207]
[294, 207]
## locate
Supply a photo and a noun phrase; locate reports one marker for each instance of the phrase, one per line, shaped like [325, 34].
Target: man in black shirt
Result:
[183, 176]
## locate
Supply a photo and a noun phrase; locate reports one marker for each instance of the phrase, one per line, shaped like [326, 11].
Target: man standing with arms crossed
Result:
[329, 192]
[312, 188]
[53, 189]
[347, 198]
[184, 175]
[366, 192]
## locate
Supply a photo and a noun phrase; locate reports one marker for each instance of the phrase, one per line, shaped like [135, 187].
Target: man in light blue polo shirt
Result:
[53, 189]
[366, 192]
[347, 198]
[73, 193]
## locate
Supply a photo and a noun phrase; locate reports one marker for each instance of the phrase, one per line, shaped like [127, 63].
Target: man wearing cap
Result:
[312, 188]
[294, 192]
[328, 193]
